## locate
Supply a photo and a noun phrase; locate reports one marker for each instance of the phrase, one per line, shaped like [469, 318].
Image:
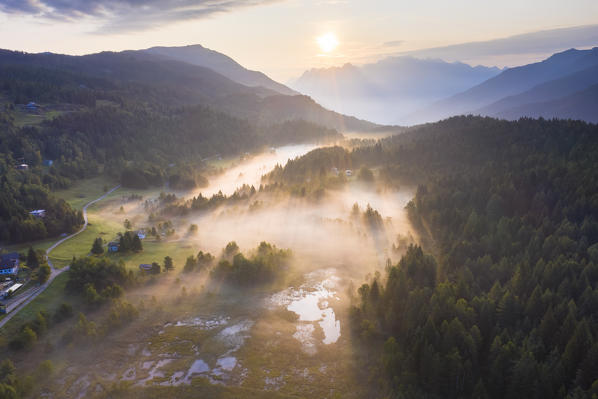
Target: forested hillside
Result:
[503, 304]
[153, 79]
[25, 190]
[103, 115]
[508, 308]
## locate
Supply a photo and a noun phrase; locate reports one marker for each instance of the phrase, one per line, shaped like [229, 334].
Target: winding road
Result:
[22, 301]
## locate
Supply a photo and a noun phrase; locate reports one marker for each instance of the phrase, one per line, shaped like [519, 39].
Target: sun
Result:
[327, 42]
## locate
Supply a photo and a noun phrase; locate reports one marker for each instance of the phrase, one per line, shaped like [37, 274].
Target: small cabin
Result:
[32, 106]
[9, 263]
[144, 267]
[38, 213]
[113, 246]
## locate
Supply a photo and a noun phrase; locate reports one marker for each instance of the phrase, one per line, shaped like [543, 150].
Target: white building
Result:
[38, 213]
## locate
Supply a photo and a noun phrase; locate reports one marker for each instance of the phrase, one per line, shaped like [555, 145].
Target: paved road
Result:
[15, 306]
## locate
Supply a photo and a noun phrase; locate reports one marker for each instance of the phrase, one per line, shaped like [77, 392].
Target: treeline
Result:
[174, 206]
[508, 308]
[22, 84]
[313, 165]
[297, 132]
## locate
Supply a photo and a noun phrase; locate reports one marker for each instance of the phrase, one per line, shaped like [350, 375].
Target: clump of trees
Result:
[37, 263]
[11, 385]
[130, 241]
[98, 246]
[85, 330]
[34, 258]
[370, 217]
[198, 263]
[31, 331]
[365, 174]
[262, 266]
[98, 279]
[156, 269]
[168, 264]
[43, 273]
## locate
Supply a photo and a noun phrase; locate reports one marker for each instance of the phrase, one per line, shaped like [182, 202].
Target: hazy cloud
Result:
[536, 43]
[393, 43]
[125, 15]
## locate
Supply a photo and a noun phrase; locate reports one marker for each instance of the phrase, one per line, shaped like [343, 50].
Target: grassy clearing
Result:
[25, 118]
[86, 190]
[80, 245]
[156, 251]
[105, 221]
[223, 163]
[24, 247]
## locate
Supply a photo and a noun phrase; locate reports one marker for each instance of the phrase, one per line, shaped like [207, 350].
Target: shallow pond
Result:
[312, 303]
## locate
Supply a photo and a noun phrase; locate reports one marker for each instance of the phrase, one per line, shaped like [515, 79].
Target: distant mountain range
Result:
[185, 83]
[523, 91]
[389, 89]
[223, 64]
[408, 91]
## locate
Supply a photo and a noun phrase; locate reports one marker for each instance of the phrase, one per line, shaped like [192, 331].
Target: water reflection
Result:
[311, 302]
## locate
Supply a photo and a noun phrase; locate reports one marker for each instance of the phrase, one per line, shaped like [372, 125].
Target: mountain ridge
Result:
[392, 87]
[187, 84]
[510, 82]
[197, 54]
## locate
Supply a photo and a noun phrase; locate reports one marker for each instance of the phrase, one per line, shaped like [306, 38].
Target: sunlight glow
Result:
[327, 42]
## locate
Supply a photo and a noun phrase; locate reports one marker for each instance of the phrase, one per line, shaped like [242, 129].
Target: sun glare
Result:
[327, 42]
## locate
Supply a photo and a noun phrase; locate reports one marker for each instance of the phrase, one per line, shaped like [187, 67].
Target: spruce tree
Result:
[32, 259]
[97, 247]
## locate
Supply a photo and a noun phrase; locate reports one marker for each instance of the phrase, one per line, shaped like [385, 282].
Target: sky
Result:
[280, 37]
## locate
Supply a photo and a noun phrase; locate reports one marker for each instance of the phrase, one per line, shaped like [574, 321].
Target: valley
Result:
[283, 337]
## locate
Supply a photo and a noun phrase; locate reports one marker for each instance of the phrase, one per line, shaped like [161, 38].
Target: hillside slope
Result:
[544, 92]
[178, 83]
[581, 105]
[509, 83]
[223, 64]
